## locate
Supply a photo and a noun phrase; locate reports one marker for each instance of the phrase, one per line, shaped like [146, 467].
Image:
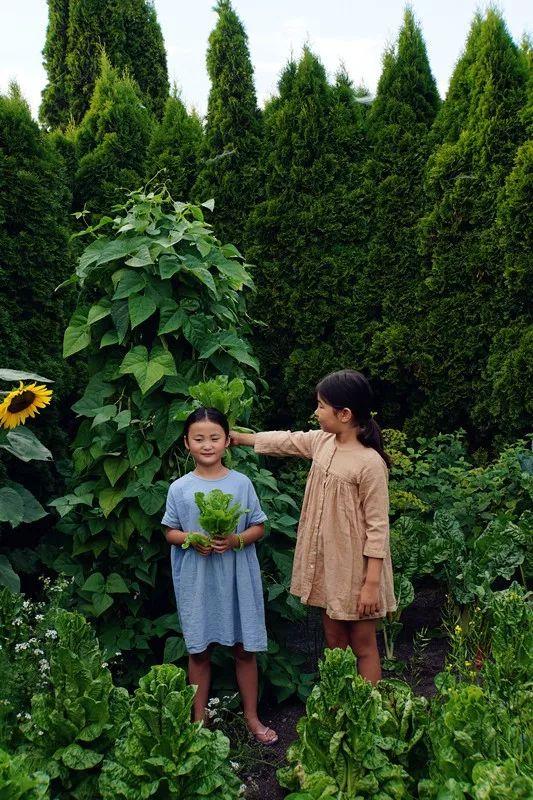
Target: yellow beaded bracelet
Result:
[240, 537]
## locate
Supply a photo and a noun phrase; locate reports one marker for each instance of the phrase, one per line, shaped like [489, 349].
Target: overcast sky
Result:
[349, 31]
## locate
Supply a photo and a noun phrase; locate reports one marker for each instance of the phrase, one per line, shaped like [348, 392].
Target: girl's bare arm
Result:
[174, 536]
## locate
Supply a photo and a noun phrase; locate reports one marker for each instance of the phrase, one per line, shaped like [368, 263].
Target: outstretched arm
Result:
[279, 443]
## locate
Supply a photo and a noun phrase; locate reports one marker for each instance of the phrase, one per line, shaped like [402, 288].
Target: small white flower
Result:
[32, 640]
[26, 605]
[17, 622]
[38, 652]
[39, 617]
[235, 765]
[214, 702]
[216, 720]
[44, 666]
[242, 788]
[21, 646]
[27, 716]
[51, 633]
[41, 733]
[104, 664]
[211, 713]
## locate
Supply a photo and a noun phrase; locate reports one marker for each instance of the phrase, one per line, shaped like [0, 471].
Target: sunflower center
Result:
[21, 402]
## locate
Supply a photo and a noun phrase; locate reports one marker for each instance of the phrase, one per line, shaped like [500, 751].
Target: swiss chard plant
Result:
[162, 753]
[17, 783]
[355, 741]
[74, 722]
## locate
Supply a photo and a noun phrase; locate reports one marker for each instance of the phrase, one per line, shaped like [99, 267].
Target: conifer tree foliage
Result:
[304, 237]
[233, 127]
[460, 297]
[398, 125]
[111, 142]
[175, 147]
[77, 32]
[55, 101]
[35, 259]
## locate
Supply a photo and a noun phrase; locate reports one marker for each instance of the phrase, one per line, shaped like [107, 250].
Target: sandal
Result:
[259, 736]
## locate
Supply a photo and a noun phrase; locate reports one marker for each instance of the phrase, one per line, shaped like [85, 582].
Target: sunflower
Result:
[21, 403]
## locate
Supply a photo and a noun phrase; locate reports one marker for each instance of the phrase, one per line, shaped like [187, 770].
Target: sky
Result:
[350, 32]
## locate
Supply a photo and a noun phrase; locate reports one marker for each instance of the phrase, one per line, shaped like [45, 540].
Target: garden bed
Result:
[425, 612]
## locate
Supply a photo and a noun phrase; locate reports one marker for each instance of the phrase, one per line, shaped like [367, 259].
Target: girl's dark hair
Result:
[203, 413]
[349, 389]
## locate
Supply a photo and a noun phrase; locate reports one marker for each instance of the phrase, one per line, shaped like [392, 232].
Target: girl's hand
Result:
[223, 543]
[203, 551]
[368, 600]
[234, 438]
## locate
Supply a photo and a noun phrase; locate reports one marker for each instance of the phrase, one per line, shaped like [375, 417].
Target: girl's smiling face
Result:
[331, 420]
[206, 442]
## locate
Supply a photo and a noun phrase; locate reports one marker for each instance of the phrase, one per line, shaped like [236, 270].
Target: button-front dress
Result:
[344, 519]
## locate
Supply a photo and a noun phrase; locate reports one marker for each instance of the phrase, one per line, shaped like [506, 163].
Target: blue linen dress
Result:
[220, 596]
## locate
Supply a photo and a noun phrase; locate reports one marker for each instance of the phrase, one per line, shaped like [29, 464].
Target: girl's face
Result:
[331, 420]
[206, 442]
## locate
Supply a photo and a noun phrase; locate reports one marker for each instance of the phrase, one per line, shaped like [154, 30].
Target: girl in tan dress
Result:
[342, 559]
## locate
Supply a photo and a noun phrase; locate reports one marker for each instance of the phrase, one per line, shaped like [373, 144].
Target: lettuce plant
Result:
[475, 741]
[74, 724]
[16, 783]
[162, 753]
[355, 741]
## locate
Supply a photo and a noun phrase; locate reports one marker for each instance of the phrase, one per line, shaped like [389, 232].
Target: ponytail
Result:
[370, 435]
[349, 389]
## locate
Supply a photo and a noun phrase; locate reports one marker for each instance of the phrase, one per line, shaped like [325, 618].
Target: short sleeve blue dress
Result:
[219, 597]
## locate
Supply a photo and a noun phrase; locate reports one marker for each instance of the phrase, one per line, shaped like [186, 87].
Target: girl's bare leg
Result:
[363, 642]
[246, 670]
[336, 631]
[200, 676]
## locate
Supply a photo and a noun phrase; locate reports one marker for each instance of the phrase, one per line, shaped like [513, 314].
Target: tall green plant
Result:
[161, 305]
[111, 141]
[77, 32]
[233, 128]
[175, 147]
[460, 298]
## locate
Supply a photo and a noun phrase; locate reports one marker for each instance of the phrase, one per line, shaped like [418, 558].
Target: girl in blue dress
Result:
[218, 588]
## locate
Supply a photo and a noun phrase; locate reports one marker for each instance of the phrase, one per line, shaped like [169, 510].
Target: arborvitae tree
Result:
[175, 148]
[34, 260]
[112, 142]
[398, 124]
[233, 128]
[78, 30]
[302, 238]
[453, 114]
[460, 298]
[506, 399]
[55, 103]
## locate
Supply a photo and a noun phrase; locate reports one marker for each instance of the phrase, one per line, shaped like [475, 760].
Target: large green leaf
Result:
[139, 450]
[115, 584]
[17, 375]
[147, 370]
[131, 282]
[99, 311]
[109, 499]
[11, 506]
[141, 308]
[24, 444]
[8, 577]
[32, 509]
[94, 583]
[114, 468]
[77, 336]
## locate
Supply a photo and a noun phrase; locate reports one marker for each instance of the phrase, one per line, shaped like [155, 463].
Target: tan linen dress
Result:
[344, 518]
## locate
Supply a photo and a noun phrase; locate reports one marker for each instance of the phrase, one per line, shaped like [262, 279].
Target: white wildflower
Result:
[51, 633]
[17, 622]
[38, 652]
[21, 646]
[214, 702]
[39, 617]
[242, 788]
[235, 765]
